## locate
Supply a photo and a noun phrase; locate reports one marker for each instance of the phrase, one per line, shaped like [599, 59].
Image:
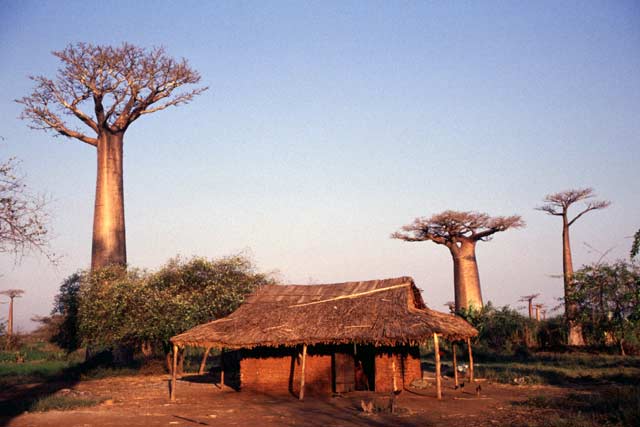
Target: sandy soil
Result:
[144, 401]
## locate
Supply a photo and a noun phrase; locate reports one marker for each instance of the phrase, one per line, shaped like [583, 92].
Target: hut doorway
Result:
[365, 369]
[344, 372]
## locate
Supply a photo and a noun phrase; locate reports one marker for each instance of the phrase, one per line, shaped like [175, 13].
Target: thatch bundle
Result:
[378, 312]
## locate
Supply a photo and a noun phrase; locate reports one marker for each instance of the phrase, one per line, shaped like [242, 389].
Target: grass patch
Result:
[63, 403]
[30, 372]
[614, 406]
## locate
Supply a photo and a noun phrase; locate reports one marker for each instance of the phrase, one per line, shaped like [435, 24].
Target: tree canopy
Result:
[450, 227]
[129, 306]
[558, 204]
[107, 88]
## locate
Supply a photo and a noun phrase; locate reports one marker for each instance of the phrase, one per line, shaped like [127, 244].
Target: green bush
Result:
[501, 330]
[132, 307]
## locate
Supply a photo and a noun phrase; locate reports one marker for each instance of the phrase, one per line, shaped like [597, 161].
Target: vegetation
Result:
[635, 246]
[114, 306]
[611, 406]
[607, 298]
[558, 204]
[23, 215]
[64, 403]
[460, 232]
[503, 330]
[119, 84]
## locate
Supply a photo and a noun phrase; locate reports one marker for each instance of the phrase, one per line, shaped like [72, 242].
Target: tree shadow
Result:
[23, 397]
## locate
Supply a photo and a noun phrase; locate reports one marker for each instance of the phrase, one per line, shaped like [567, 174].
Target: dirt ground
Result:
[144, 401]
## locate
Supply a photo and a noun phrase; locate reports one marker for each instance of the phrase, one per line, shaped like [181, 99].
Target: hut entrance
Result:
[354, 372]
[365, 369]
[344, 372]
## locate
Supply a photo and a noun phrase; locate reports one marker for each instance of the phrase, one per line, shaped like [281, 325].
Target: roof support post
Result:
[455, 363]
[436, 349]
[174, 372]
[393, 372]
[221, 369]
[470, 360]
[304, 360]
[204, 361]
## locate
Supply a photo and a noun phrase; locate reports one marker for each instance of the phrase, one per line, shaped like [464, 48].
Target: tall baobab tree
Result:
[460, 232]
[11, 293]
[558, 204]
[529, 299]
[106, 89]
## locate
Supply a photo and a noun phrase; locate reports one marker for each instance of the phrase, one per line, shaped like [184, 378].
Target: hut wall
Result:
[281, 374]
[407, 369]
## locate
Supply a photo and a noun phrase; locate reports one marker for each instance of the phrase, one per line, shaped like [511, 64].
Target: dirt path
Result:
[143, 401]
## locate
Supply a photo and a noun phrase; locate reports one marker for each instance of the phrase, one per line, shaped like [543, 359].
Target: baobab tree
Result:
[529, 299]
[106, 89]
[460, 232]
[558, 204]
[11, 293]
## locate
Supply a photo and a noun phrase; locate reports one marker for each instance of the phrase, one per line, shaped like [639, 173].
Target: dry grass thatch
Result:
[379, 312]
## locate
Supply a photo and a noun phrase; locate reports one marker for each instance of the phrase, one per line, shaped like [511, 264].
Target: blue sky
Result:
[328, 125]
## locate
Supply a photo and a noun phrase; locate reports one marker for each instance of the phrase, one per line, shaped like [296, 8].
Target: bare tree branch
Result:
[122, 83]
[558, 203]
[451, 227]
[23, 216]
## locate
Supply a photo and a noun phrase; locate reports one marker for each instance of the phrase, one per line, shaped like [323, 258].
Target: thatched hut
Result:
[328, 338]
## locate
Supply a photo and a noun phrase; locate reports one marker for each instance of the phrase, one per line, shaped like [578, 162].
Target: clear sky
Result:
[328, 125]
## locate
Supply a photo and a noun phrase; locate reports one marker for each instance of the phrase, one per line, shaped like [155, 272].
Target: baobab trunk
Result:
[466, 277]
[10, 320]
[109, 244]
[575, 329]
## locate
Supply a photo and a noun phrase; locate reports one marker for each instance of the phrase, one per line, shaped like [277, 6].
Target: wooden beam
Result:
[304, 360]
[174, 372]
[436, 349]
[470, 360]
[221, 369]
[393, 372]
[455, 364]
[204, 361]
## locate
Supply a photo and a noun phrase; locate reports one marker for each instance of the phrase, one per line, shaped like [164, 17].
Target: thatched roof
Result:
[379, 312]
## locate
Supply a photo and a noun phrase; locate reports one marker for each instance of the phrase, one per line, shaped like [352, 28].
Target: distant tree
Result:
[529, 299]
[607, 300]
[558, 204]
[11, 293]
[65, 313]
[23, 216]
[107, 88]
[460, 232]
[635, 246]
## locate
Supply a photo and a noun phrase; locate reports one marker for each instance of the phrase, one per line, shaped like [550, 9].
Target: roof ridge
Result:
[359, 294]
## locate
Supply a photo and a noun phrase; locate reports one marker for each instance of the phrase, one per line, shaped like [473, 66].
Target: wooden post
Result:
[393, 371]
[436, 349]
[174, 371]
[304, 360]
[455, 364]
[470, 360]
[204, 361]
[221, 369]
